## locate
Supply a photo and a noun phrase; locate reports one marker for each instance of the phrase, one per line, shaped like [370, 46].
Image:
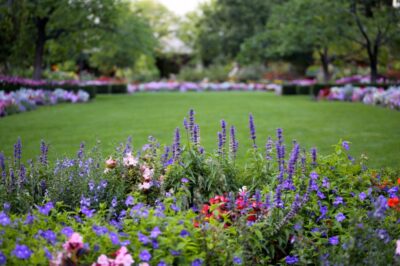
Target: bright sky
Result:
[181, 7]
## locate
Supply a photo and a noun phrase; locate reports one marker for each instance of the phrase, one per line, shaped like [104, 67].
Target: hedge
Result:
[296, 90]
[112, 89]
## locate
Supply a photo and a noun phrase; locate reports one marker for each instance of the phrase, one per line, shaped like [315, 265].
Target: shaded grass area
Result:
[373, 131]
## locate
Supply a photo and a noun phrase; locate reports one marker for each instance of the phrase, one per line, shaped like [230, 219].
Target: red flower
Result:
[205, 210]
[398, 181]
[393, 202]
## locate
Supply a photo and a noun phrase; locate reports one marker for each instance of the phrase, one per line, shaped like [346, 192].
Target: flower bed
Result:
[182, 205]
[201, 86]
[27, 99]
[369, 95]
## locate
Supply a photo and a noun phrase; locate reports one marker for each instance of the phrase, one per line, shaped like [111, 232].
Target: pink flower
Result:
[144, 186]
[124, 259]
[129, 160]
[148, 174]
[122, 251]
[111, 163]
[398, 247]
[58, 260]
[102, 261]
[143, 264]
[74, 243]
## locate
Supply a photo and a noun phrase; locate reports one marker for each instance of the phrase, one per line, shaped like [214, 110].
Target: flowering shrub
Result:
[28, 99]
[369, 95]
[357, 79]
[201, 86]
[182, 205]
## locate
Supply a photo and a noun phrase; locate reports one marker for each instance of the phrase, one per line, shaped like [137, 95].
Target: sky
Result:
[181, 7]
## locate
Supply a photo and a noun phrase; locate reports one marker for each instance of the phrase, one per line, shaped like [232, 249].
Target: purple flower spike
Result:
[81, 151]
[279, 135]
[233, 142]
[292, 166]
[17, 150]
[196, 135]
[176, 147]
[2, 165]
[278, 198]
[268, 149]
[252, 130]
[223, 131]
[314, 156]
[191, 122]
[44, 149]
[220, 143]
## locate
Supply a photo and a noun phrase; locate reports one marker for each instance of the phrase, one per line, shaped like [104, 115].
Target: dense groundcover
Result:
[182, 205]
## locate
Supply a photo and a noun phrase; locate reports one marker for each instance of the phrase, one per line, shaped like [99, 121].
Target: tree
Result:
[15, 46]
[375, 23]
[308, 26]
[121, 48]
[225, 24]
[53, 19]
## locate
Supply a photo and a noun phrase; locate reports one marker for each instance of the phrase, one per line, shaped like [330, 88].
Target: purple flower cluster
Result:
[27, 99]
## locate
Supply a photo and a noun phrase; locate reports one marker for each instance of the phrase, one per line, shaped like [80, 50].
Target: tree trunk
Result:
[373, 63]
[324, 57]
[39, 48]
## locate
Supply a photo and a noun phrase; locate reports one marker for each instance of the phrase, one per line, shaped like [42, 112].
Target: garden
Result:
[218, 132]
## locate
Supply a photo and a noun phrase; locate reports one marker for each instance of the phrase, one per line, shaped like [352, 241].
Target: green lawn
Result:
[111, 119]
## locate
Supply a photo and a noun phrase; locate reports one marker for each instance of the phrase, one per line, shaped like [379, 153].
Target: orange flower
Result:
[393, 202]
[398, 181]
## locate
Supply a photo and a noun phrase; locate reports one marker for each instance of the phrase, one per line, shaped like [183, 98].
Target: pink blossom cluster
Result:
[122, 258]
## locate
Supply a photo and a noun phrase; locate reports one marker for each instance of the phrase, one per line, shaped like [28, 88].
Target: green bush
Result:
[253, 72]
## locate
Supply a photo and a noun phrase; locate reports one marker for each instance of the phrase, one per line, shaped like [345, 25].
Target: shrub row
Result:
[313, 90]
[91, 89]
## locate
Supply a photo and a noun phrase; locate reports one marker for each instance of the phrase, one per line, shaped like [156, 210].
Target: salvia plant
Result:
[181, 205]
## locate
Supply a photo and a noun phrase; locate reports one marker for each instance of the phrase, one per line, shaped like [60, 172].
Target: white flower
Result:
[243, 190]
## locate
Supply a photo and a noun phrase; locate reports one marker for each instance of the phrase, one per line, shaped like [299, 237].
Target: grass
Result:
[371, 130]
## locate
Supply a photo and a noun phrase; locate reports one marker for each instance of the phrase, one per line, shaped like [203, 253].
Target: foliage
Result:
[214, 73]
[225, 25]
[291, 208]
[38, 37]
[123, 47]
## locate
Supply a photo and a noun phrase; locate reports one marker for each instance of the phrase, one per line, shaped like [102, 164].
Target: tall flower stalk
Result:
[252, 130]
